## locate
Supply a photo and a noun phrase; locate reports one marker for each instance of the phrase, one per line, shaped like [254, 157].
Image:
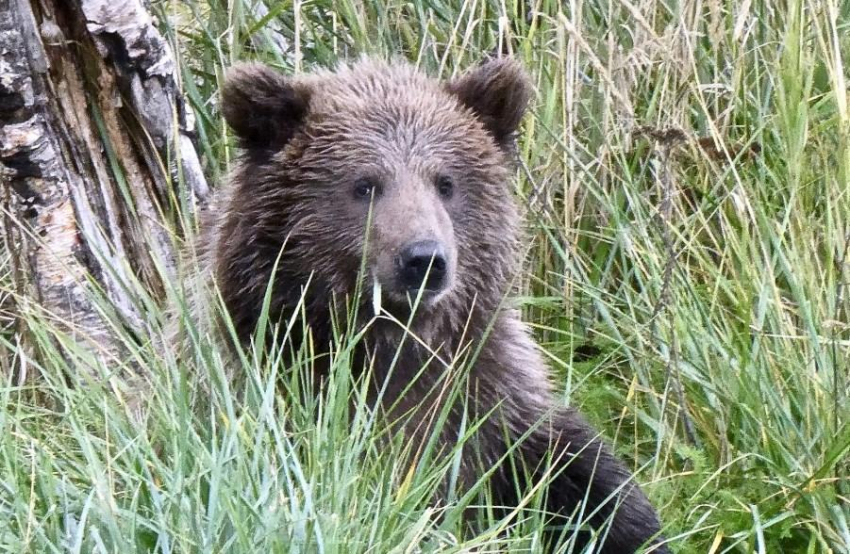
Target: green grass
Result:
[693, 296]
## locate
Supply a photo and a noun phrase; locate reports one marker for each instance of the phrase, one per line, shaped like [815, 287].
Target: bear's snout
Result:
[422, 264]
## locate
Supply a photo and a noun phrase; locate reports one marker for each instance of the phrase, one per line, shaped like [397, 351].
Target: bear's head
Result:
[373, 170]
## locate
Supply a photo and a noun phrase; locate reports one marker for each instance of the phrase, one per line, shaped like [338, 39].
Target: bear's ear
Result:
[262, 106]
[497, 91]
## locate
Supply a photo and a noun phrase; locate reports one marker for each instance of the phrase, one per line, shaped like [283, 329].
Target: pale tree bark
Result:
[94, 139]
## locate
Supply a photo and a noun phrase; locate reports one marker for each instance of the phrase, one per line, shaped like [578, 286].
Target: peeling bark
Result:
[95, 138]
[271, 36]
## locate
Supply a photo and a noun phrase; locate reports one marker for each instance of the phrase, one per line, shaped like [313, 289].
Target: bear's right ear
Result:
[262, 106]
[497, 92]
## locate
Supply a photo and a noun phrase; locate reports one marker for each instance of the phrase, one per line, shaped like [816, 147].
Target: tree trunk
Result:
[95, 146]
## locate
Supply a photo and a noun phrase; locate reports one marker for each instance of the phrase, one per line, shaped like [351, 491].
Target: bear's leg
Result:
[580, 468]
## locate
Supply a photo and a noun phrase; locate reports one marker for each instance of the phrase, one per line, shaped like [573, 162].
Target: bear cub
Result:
[376, 166]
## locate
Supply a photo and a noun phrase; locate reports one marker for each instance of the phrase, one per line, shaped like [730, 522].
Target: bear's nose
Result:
[419, 261]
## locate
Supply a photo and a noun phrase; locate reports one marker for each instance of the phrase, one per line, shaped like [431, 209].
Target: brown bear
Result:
[376, 178]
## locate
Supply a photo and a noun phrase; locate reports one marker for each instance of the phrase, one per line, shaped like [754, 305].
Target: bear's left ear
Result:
[498, 92]
[263, 107]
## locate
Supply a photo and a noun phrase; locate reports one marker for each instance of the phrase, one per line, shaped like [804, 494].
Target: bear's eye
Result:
[445, 186]
[365, 188]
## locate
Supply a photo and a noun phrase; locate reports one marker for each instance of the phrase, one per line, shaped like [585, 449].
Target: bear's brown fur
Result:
[427, 164]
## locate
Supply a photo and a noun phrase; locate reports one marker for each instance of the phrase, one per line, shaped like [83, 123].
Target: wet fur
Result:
[303, 139]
